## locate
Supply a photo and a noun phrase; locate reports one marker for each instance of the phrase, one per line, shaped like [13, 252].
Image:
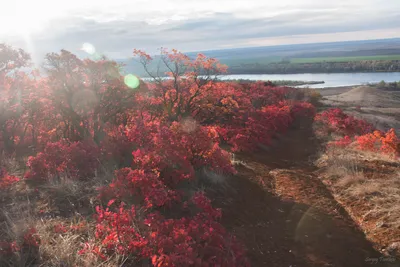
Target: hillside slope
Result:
[380, 107]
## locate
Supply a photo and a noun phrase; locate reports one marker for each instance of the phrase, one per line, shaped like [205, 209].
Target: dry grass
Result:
[341, 164]
[237, 162]
[12, 165]
[368, 185]
[350, 179]
[59, 202]
[56, 249]
[384, 199]
[61, 249]
[365, 189]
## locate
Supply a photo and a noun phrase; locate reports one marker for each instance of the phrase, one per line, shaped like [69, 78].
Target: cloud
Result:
[199, 25]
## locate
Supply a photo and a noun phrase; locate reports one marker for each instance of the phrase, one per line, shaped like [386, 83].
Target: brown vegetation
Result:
[366, 184]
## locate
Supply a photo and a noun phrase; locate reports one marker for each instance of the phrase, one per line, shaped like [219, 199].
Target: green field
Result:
[251, 60]
[343, 59]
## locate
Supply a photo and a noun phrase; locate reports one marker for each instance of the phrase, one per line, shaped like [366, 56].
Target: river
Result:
[330, 79]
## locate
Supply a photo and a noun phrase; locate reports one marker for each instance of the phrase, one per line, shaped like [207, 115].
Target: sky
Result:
[115, 27]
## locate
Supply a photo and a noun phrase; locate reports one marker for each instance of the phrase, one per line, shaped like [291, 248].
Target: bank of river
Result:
[330, 79]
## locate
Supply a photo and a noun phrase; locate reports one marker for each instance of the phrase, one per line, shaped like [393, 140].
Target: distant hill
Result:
[253, 57]
[305, 49]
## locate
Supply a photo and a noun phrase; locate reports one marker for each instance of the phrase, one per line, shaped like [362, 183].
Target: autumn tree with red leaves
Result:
[189, 83]
[15, 87]
[87, 95]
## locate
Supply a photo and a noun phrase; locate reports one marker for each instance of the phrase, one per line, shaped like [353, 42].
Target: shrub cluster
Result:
[338, 121]
[161, 136]
[360, 132]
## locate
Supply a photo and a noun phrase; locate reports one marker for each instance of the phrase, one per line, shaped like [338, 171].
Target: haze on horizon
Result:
[116, 27]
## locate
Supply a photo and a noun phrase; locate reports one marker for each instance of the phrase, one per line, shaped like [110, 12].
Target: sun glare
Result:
[23, 17]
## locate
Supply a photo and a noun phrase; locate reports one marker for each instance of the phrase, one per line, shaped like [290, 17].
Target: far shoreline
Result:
[329, 91]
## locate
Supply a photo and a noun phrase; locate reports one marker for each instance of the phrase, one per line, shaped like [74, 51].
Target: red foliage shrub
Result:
[338, 121]
[8, 248]
[190, 241]
[261, 95]
[26, 245]
[391, 143]
[302, 110]
[7, 180]
[38, 168]
[82, 160]
[116, 148]
[255, 128]
[176, 151]
[76, 160]
[82, 113]
[367, 139]
[387, 143]
[161, 135]
[370, 142]
[31, 238]
[146, 189]
[190, 83]
[248, 115]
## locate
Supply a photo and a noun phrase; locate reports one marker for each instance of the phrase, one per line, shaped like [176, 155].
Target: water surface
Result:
[330, 79]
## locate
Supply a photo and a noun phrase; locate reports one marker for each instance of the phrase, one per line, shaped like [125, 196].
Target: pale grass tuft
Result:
[350, 179]
[342, 164]
[365, 189]
[236, 162]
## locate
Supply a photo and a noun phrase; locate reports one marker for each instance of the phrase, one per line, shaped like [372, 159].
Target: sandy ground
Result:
[381, 108]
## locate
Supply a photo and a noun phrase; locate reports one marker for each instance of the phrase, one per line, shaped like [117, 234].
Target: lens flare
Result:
[96, 56]
[189, 125]
[132, 81]
[89, 48]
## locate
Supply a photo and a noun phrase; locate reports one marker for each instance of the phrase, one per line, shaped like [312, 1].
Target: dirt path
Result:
[286, 217]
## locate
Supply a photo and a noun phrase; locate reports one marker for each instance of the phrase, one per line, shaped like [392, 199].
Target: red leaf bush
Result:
[176, 152]
[7, 180]
[144, 189]
[256, 128]
[338, 121]
[364, 134]
[247, 116]
[27, 245]
[387, 143]
[253, 129]
[77, 160]
[162, 137]
[302, 111]
[116, 148]
[197, 240]
[8, 248]
[31, 238]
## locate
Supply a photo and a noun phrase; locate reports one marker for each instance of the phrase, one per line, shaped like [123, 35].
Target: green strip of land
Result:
[343, 59]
